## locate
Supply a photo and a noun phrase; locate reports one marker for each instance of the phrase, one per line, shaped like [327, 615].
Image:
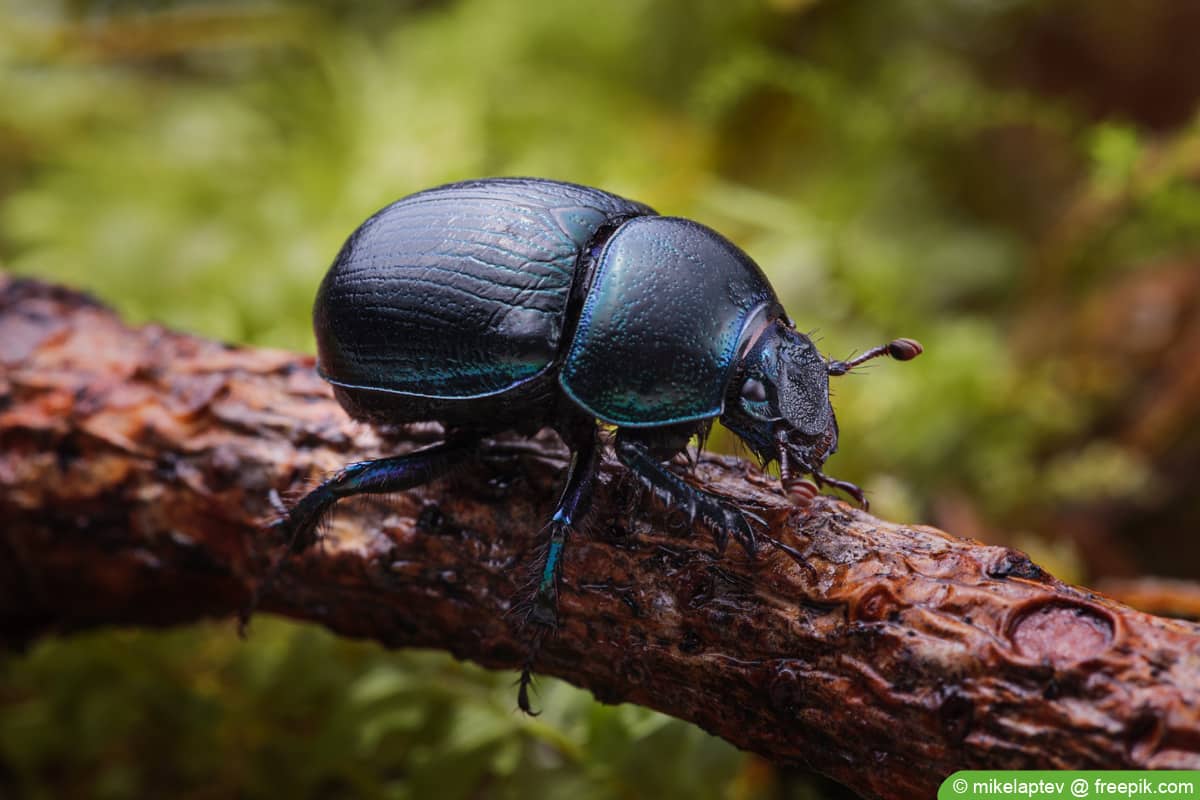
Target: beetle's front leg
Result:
[722, 518]
[572, 505]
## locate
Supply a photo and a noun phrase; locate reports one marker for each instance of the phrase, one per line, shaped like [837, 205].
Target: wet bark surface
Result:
[136, 466]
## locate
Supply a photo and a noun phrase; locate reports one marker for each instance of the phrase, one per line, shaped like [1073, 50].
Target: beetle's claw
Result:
[745, 531]
[724, 521]
[524, 685]
[690, 509]
[755, 517]
[734, 521]
[525, 682]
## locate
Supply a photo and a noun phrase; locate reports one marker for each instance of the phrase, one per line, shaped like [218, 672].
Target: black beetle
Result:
[517, 303]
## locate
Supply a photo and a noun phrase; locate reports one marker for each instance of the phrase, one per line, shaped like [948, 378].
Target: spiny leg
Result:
[572, 505]
[720, 517]
[383, 475]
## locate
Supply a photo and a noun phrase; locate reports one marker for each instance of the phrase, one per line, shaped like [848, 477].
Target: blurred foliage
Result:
[1012, 182]
[297, 713]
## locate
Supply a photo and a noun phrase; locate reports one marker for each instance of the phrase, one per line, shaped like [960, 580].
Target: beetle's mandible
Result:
[518, 303]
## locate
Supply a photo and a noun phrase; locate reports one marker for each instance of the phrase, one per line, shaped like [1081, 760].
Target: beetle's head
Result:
[778, 402]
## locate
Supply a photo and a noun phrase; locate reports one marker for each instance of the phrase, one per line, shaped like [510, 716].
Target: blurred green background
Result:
[1014, 183]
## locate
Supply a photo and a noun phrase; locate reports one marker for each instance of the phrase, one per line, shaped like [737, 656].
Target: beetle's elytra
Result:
[517, 303]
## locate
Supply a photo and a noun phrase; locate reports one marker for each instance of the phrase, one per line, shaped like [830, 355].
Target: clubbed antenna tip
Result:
[904, 349]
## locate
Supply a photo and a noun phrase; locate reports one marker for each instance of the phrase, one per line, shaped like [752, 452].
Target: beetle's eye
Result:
[754, 391]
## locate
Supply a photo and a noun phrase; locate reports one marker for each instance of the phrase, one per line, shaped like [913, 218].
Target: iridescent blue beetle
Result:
[516, 303]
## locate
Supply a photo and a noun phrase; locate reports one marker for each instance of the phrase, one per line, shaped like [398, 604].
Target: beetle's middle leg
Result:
[572, 505]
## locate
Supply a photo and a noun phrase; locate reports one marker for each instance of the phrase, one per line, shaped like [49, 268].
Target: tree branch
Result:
[135, 470]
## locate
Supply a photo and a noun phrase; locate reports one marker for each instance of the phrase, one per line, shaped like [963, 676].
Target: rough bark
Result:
[135, 470]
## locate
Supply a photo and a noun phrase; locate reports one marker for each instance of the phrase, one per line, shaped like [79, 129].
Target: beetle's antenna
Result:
[899, 349]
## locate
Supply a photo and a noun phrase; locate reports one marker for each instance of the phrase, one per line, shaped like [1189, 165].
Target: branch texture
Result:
[136, 466]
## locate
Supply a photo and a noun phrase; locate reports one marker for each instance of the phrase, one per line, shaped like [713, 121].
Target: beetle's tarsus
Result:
[524, 684]
[543, 614]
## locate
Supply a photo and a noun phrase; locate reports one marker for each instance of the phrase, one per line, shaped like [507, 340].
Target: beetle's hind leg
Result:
[542, 608]
[298, 526]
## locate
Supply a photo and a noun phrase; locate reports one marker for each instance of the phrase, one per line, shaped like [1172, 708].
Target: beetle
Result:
[520, 303]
